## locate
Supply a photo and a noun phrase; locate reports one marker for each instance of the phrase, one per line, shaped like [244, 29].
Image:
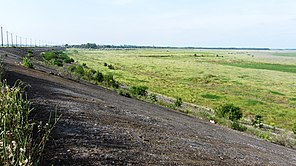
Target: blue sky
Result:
[207, 23]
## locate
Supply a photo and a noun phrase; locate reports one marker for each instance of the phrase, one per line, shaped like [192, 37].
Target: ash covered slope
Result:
[99, 127]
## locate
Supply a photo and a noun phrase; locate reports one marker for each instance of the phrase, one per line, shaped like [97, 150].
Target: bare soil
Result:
[100, 127]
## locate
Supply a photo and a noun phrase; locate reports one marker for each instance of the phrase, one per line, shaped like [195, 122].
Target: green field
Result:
[260, 82]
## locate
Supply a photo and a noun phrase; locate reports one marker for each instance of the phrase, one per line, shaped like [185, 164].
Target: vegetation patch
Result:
[265, 66]
[27, 63]
[292, 54]
[139, 90]
[277, 93]
[57, 58]
[211, 96]
[254, 102]
[22, 140]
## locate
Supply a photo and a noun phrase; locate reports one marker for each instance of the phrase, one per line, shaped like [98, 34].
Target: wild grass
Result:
[22, 140]
[265, 66]
[202, 78]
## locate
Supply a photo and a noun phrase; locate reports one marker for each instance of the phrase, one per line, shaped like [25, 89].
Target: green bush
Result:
[124, 93]
[139, 90]
[152, 97]
[99, 76]
[109, 80]
[258, 121]
[27, 63]
[229, 111]
[294, 128]
[236, 126]
[49, 56]
[178, 102]
[78, 69]
[111, 67]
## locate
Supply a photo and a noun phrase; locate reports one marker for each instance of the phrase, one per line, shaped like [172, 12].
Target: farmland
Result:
[260, 82]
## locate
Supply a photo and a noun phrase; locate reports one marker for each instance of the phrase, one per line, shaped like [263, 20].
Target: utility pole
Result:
[21, 41]
[16, 40]
[7, 39]
[26, 43]
[2, 36]
[11, 39]
[30, 42]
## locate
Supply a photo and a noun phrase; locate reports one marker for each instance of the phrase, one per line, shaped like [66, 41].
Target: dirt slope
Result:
[99, 127]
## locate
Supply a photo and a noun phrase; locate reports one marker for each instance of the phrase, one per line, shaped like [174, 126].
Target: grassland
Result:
[260, 82]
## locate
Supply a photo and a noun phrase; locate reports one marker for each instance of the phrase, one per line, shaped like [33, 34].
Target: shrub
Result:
[49, 56]
[236, 126]
[111, 67]
[109, 80]
[30, 55]
[178, 102]
[78, 69]
[99, 76]
[27, 63]
[294, 128]
[258, 121]
[229, 111]
[152, 97]
[105, 64]
[139, 90]
[124, 93]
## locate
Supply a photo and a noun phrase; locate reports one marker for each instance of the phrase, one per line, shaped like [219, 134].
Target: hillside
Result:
[100, 127]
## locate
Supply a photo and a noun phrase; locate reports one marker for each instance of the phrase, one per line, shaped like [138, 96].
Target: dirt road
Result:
[99, 127]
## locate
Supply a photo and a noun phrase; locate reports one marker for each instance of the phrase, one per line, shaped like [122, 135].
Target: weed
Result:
[178, 102]
[109, 80]
[236, 126]
[99, 76]
[124, 93]
[229, 111]
[294, 128]
[152, 97]
[139, 90]
[111, 67]
[27, 63]
[18, 146]
[258, 121]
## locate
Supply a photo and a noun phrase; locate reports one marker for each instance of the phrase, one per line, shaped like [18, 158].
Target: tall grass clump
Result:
[21, 139]
[27, 63]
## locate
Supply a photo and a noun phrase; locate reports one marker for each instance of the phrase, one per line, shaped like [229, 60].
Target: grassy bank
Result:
[207, 77]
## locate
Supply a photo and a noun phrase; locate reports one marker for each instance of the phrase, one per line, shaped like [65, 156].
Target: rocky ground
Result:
[100, 127]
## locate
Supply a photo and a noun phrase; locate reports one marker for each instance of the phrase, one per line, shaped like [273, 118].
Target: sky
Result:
[200, 23]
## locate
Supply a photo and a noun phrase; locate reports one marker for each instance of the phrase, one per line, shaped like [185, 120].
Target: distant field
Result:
[289, 54]
[257, 81]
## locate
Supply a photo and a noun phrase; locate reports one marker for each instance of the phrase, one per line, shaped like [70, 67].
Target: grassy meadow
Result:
[260, 82]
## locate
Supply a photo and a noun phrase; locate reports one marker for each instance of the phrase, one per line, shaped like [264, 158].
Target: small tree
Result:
[229, 111]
